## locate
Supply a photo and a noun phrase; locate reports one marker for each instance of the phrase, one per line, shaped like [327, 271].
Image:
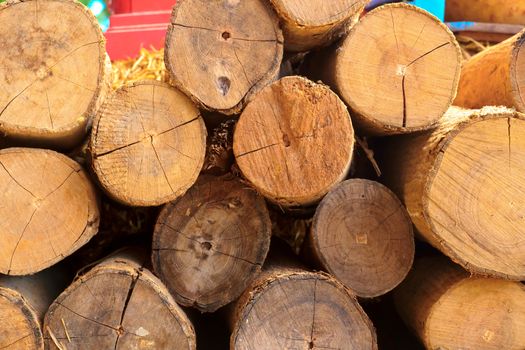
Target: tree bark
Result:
[311, 24]
[448, 309]
[294, 141]
[148, 144]
[291, 308]
[117, 305]
[462, 186]
[221, 52]
[495, 76]
[491, 11]
[210, 244]
[23, 303]
[50, 88]
[52, 209]
[362, 235]
[398, 70]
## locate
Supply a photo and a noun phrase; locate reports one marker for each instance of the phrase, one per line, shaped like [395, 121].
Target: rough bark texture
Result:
[289, 308]
[221, 52]
[462, 186]
[210, 244]
[52, 71]
[398, 70]
[447, 309]
[117, 305]
[495, 76]
[52, 209]
[294, 141]
[310, 24]
[493, 11]
[362, 234]
[148, 144]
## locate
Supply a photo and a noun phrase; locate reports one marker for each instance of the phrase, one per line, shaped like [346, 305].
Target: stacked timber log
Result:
[282, 159]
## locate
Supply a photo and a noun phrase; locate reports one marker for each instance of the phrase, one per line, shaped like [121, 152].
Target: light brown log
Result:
[309, 24]
[362, 235]
[447, 309]
[462, 186]
[495, 77]
[210, 244]
[289, 308]
[398, 70]
[493, 11]
[221, 52]
[117, 305]
[48, 208]
[294, 141]
[52, 71]
[148, 144]
[23, 303]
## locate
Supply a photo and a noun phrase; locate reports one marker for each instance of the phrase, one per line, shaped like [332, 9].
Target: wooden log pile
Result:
[297, 171]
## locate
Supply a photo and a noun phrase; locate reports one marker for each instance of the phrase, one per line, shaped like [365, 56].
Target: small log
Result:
[294, 141]
[210, 244]
[462, 186]
[448, 309]
[117, 305]
[290, 308]
[362, 235]
[311, 24]
[52, 71]
[492, 11]
[398, 70]
[23, 304]
[495, 76]
[148, 144]
[221, 52]
[49, 209]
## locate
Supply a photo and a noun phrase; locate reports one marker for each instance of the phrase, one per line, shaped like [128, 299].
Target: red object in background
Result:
[135, 24]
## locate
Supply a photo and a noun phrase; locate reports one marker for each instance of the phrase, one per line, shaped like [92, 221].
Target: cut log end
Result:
[294, 310]
[54, 209]
[284, 142]
[362, 234]
[310, 24]
[20, 328]
[210, 244]
[111, 308]
[148, 144]
[220, 60]
[408, 59]
[49, 88]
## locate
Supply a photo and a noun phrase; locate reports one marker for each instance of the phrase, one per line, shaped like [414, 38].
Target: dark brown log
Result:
[117, 305]
[210, 244]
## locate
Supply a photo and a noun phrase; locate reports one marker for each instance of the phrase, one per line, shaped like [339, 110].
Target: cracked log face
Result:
[294, 141]
[398, 70]
[148, 144]
[313, 23]
[210, 244]
[52, 209]
[221, 52]
[362, 234]
[470, 201]
[51, 71]
[20, 327]
[449, 309]
[117, 305]
[289, 309]
[495, 77]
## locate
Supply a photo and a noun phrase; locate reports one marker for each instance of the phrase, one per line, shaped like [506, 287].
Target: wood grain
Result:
[49, 209]
[294, 141]
[221, 52]
[52, 71]
[148, 144]
[491, 11]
